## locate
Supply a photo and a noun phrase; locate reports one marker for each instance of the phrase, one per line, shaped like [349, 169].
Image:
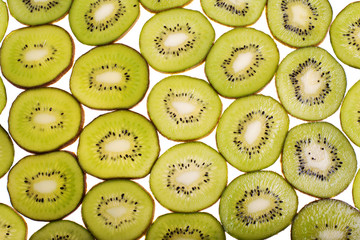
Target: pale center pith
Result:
[188, 178]
[110, 77]
[253, 131]
[311, 81]
[118, 146]
[237, 2]
[44, 118]
[175, 39]
[258, 205]
[317, 157]
[299, 15]
[183, 108]
[35, 54]
[104, 11]
[45, 186]
[116, 212]
[331, 234]
[242, 61]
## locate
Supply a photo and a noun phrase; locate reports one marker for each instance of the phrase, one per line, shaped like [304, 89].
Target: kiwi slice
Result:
[161, 5]
[117, 209]
[121, 144]
[35, 56]
[98, 22]
[6, 152]
[299, 23]
[257, 205]
[176, 40]
[45, 119]
[3, 97]
[356, 190]
[241, 62]
[251, 132]
[173, 226]
[46, 187]
[318, 159]
[184, 108]
[12, 225]
[326, 219]
[310, 83]
[188, 177]
[109, 77]
[4, 19]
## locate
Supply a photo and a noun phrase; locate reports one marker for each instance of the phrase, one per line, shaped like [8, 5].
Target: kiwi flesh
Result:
[4, 19]
[162, 5]
[12, 225]
[188, 177]
[176, 40]
[46, 187]
[117, 210]
[6, 152]
[3, 97]
[356, 190]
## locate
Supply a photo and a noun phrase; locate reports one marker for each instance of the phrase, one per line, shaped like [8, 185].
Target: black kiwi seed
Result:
[232, 8]
[39, 7]
[350, 35]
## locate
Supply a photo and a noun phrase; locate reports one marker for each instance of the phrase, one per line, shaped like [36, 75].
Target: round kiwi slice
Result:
[3, 97]
[318, 159]
[4, 19]
[45, 119]
[98, 22]
[184, 108]
[326, 219]
[257, 205]
[241, 62]
[356, 190]
[251, 132]
[12, 225]
[186, 226]
[161, 5]
[310, 83]
[6, 152]
[299, 23]
[110, 77]
[188, 177]
[46, 187]
[117, 209]
[121, 144]
[176, 40]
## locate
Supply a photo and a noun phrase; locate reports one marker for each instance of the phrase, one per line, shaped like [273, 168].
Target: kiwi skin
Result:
[149, 10]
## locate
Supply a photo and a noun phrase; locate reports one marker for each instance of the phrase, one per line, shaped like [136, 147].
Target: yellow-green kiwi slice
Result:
[241, 62]
[3, 97]
[45, 119]
[117, 209]
[176, 40]
[35, 56]
[6, 152]
[356, 190]
[110, 77]
[98, 22]
[12, 225]
[257, 205]
[4, 19]
[318, 159]
[161, 5]
[46, 187]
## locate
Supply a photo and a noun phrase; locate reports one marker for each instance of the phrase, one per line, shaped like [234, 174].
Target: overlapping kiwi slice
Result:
[161, 5]
[4, 19]
[3, 97]
[6, 152]
[12, 225]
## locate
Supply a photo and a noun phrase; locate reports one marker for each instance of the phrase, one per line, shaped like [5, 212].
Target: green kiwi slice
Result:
[184, 108]
[45, 119]
[356, 190]
[251, 132]
[257, 205]
[161, 5]
[326, 219]
[117, 209]
[299, 23]
[241, 62]
[98, 22]
[310, 83]
[3, 97]
[188, 177]
[110, 77]
[186, 226]
[46, 187]
[318, 159]
[12, 225]
[4, 19]
[121, 144]
[6, 152]
[35, 56]
[176, 40]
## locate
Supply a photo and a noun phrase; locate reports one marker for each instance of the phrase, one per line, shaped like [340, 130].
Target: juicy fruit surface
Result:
[6, 152]
[12, 225]
[3, 97]
[4, 19]
[161, 5]
[356, 190]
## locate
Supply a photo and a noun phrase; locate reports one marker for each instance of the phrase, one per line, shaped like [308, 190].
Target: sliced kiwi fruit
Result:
[188, 177]
[117, 209]
[241, 62]
[184, 108]
[356, 190]
[46, 187]
[299, 23]
[6, 152]
[121, 144]
[251, 132]
[326, 219]
[110, 77]
[12, 225]
[257, 205]
[173, 226]
[176, 40]
[310, 83]
[3, 97]
[98, 22]
[318, 159]
[4, 19]
[45, 119]
[36, 56]
[161, 5]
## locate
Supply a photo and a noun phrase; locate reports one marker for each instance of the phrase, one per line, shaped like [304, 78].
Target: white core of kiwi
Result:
[299, 15]
[310, 82]
[44, 118]
[104, 11]
[118, 146]
[117, 212]
[238, 3]
[243, 61]
[188, 178]
[175, 39]
[110, 77]
[183, 108]
[317, 157]
[36, 54]
[258, 205]
[331, 234]
[45, 186]
[253, 131]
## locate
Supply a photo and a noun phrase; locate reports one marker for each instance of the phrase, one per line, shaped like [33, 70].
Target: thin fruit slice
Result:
[45, 119]
[12, 225]
[356, 190]
[176, 40]
[251, 132]
[241, 62]
[4, 19]
[161, 5]
[184, 108]
[6, 152]
[46, 187]
[326, 219]
[257, 205]
[117, 209]
[110, 77]
[121, 144]
[318, 159]
[188, 177]
[186, 226]
[3, 97]
[310, 83]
